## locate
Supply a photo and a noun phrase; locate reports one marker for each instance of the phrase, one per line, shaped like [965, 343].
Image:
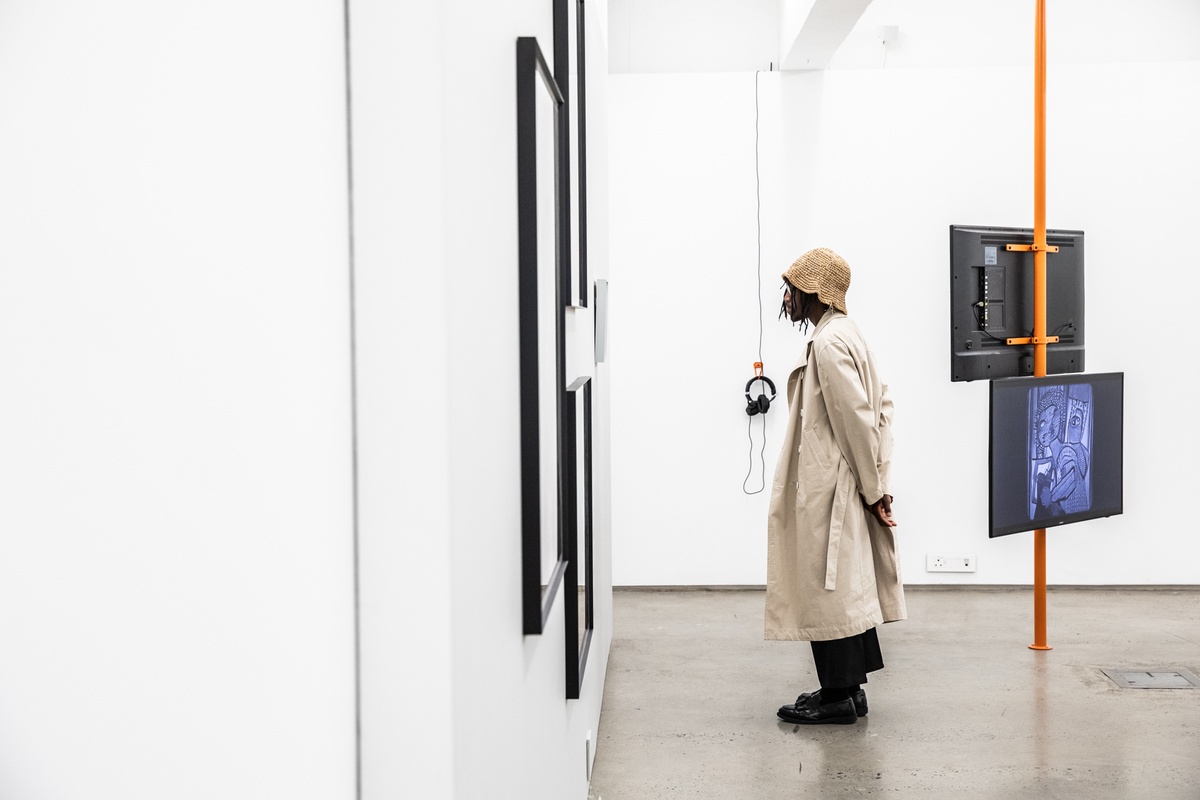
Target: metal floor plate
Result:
[1152, 678]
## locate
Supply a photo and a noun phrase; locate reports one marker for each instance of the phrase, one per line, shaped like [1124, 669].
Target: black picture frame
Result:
[543, 487]
[578, 594]
[569, 71]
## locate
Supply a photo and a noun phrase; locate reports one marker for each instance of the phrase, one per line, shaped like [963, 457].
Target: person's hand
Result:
[881, 510]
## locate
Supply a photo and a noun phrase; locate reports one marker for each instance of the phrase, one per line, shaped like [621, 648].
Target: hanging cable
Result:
[758, 222]
[758, 217]
[750, 436]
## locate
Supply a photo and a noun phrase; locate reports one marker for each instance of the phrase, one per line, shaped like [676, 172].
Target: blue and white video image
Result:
[1060, 450]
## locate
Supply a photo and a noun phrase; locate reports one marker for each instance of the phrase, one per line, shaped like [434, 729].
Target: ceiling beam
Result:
[812, 30]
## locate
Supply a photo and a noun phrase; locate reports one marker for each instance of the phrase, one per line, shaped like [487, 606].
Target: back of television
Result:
[991, 303]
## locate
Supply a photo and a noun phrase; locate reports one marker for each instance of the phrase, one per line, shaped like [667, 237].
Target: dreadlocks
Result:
[801, 301]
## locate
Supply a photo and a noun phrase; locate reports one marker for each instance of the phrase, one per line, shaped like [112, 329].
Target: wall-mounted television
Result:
[1055, 452]
[991, 300]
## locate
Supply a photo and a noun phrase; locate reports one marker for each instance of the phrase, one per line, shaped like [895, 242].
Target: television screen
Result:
[991, 300]
[1055, 451]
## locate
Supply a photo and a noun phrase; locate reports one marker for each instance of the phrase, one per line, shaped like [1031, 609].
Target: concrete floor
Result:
[963, 710]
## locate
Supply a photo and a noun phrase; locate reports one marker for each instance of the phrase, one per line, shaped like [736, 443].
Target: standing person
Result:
[832, 570]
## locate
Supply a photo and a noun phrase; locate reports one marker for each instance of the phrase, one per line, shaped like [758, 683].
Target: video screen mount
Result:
[991, 300]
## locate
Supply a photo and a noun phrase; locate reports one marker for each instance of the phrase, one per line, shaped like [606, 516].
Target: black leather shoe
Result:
[859, 698]
[809, 710]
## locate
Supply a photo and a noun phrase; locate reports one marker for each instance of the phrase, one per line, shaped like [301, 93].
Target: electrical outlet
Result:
[949, 563]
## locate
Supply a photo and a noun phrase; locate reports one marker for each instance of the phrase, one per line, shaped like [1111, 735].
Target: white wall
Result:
[877, 164]
[947, 33]
[401, 302]
[693, 35]
[456, 701]
[514, 734]
[176, 561]
[192, 460]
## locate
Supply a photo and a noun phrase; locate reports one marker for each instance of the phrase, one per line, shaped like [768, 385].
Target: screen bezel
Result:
[1025, 384]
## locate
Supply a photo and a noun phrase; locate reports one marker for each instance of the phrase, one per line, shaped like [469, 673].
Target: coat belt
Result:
[841, 500]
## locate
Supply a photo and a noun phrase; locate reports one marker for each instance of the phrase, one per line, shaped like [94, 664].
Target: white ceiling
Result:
[748, 35]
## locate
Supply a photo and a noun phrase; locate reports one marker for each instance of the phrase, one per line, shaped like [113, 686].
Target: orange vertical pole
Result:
[1039, 193]
[1039, 294]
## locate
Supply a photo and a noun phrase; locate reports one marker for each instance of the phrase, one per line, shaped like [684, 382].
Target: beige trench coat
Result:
[832, 569]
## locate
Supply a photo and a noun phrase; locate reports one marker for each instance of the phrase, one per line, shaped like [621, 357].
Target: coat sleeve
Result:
[852, 417]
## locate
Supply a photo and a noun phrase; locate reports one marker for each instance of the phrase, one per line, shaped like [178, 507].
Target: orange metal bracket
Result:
[1035, 247]
[758, 368]
[1033, 340]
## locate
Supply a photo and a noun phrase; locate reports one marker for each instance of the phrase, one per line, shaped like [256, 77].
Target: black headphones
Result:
[762, 403]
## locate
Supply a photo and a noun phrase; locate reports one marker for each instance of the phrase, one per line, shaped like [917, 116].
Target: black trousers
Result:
[845, 662]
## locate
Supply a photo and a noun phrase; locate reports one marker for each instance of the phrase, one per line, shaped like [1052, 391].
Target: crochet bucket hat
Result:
[821, 272]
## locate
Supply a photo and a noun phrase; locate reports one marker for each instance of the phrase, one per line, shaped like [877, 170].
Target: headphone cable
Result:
[758, 216]
[758, 220]
[750, 436]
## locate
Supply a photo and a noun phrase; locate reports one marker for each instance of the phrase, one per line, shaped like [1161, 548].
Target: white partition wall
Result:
[259, 405]
[176, 527]
[457, 701]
